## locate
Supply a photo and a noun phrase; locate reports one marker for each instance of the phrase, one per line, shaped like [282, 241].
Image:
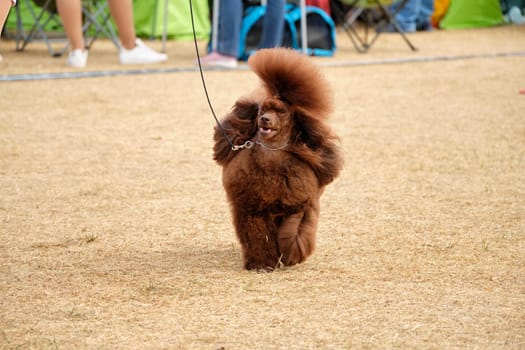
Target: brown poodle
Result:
[287, 155]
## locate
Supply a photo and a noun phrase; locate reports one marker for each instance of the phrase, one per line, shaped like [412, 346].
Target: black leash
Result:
[234, 148]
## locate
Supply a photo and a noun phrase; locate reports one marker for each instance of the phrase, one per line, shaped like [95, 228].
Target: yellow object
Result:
[440, 9]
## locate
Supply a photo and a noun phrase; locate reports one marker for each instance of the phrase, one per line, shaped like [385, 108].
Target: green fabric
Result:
[463, 14]
[53, 25]
[52, 21]
[149, 19]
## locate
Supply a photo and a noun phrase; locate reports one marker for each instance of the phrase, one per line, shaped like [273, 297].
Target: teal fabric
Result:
[506, 5]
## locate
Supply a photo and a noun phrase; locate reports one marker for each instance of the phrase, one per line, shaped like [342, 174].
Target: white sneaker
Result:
[141, 54]
[77, 58]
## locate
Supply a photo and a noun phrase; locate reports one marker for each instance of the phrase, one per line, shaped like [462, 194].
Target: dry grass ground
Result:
[115, 233]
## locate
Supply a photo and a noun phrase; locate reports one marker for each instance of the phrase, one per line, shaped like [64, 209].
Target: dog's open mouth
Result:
[265, 130]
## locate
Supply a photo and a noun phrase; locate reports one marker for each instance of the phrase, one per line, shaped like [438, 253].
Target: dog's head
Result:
[274, 122]
[288, 111]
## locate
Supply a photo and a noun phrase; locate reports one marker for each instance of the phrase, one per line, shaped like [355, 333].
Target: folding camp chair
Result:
[363, 8]
[44, 15]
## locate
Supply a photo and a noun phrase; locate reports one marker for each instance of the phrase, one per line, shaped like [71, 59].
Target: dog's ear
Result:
[245, 109]
[239, 125]
[317, 145]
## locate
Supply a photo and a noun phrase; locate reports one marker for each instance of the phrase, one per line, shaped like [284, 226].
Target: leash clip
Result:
[248, 144]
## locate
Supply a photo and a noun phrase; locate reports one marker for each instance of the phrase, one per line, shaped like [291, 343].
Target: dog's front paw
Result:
[263, 266]
[252, 266]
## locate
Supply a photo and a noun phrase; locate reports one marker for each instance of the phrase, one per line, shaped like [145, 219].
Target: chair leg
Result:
[20, 33]
[390, 19]
[358, 43]
[361, 42]
[22, 39]
[165, 26]
[101, 20]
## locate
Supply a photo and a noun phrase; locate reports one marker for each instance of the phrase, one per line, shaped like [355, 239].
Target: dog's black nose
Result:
[265, 119]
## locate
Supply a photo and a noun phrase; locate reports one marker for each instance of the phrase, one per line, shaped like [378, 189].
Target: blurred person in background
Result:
[229, 32]
[5, 5]
[414, 16]
[133, 50]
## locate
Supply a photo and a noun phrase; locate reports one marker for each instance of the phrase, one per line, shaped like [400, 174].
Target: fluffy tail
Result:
[293, 77]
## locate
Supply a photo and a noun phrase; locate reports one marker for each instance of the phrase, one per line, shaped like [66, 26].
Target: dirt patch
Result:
[115, 232]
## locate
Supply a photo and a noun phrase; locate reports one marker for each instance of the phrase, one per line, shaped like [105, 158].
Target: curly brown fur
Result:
[274, 187]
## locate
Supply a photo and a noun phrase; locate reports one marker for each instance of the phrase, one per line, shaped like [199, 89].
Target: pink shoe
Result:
[215, 59]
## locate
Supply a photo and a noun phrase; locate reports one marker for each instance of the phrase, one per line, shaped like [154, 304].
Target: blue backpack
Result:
[320, 31]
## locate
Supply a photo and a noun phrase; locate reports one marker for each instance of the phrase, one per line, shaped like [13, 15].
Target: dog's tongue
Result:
[265, 130]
